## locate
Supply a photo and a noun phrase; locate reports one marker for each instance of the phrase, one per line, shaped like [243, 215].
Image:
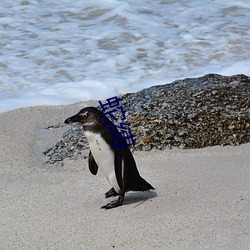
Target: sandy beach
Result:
[201, 198]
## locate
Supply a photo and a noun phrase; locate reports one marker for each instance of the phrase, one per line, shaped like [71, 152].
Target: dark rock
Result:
[190, 113]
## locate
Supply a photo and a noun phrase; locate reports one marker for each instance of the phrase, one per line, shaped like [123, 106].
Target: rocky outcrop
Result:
[190, 113]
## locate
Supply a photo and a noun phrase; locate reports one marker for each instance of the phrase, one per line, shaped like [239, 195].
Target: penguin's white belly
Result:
[104, 157]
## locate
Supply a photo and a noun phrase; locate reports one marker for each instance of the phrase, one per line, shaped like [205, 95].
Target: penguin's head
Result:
[88, 117]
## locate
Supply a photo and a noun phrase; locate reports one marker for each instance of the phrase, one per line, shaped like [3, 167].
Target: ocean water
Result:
[61, 52]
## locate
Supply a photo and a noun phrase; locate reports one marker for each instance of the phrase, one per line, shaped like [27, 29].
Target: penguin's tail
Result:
[141, 185]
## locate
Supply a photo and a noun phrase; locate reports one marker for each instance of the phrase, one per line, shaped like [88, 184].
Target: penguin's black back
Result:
[132, 179]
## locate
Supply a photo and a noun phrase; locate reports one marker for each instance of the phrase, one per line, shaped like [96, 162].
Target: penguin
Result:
[117, 164]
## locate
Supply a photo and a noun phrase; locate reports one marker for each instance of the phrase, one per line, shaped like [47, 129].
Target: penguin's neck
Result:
[93, 127]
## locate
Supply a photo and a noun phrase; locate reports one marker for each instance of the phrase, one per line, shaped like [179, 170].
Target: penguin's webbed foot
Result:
[113, 204]
[111, 193]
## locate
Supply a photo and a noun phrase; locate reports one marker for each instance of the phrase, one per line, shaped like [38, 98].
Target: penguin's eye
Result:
[84, 115]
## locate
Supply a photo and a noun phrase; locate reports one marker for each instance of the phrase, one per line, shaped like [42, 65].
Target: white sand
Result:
[201, 201]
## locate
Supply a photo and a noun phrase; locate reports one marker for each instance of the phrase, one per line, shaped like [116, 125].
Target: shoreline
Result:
[201, 198]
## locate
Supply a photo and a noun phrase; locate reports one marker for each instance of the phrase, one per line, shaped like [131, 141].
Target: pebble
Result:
[189, 113]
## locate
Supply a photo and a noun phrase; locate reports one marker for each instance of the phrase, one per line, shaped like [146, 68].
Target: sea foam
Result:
[63, 52]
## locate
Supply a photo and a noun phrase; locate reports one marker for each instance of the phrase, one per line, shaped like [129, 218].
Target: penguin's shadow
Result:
[138, 198]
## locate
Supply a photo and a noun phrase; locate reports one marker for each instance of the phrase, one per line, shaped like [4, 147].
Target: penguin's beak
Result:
[74, 118]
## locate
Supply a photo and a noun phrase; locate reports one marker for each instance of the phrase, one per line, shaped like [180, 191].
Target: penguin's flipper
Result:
[113, 204]
[111, 193]
[93, 167]
[118, 167]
